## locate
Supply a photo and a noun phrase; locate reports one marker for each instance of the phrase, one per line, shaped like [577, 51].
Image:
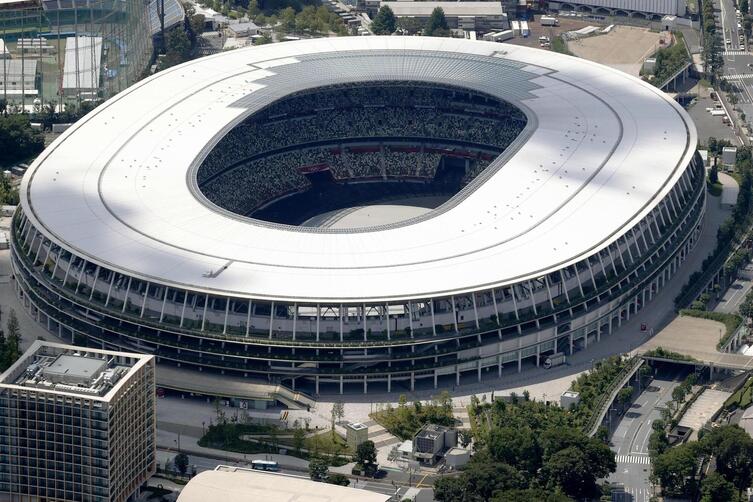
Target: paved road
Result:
[728, 22]
[738, 63]
[735, 294]
[630, 439]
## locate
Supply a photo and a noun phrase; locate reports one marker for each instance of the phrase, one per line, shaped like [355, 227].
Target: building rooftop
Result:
[66, 369]
[357, 426]
[236, 484]
[407, 9]
[431, 431]
[601, 150]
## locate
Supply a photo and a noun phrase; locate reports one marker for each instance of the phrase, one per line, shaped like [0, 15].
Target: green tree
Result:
[18, 141]
[318, 469]
[743, 7]
[336, 413]
[450, 489]
[366, 454]
[515, 446]
[732, 448]
[299, 439]
[181, 463]
[624, 396]
[197, 24]
[678, 395]
[465, 436]
[178, 47]
[410, 25]
[338, 479]
[675, 470]
[714, 175]
[384, 22]
[437, 26]
[658, 442]
[569, 470]
[714, 488]
[531, 495]
[12, 341]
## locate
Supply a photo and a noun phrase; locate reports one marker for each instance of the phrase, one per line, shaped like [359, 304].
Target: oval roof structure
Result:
[600, 150]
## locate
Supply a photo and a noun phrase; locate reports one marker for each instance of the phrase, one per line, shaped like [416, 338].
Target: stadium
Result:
[183, 217]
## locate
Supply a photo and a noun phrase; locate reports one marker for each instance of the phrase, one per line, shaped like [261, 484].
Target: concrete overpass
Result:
[697, 339]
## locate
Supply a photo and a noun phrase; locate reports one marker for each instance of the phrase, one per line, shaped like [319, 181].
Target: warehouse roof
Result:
[235, 484]
[452, 9]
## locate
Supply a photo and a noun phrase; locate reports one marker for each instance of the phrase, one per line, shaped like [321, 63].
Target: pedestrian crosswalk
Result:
[737, 76]
[633, 459]
[735, 53]
[632, 495]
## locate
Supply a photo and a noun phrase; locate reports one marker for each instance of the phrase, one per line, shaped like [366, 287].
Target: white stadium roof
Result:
[600, 150]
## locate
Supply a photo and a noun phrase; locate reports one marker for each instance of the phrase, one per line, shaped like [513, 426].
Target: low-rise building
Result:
[432, 441]
[469, 16]
[246, 29]
[729, 156]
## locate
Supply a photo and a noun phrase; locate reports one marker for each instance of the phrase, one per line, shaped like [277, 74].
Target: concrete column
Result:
[204, 314]
[125, 298]
[143, 303]
[248, 324]
[271, 318]
[341, 384]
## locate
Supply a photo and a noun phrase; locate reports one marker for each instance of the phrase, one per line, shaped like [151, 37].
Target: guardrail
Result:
[676, 74]
[609, 396]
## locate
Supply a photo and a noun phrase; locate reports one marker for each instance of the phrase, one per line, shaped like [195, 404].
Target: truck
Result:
[555, 360]
[524, 31]
[549, 21]
[515, 27]
[498, 36]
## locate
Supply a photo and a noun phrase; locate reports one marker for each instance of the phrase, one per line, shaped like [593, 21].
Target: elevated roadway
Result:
[697, 339]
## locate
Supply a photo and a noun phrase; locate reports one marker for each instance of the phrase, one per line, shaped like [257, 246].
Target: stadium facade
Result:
[578, 220]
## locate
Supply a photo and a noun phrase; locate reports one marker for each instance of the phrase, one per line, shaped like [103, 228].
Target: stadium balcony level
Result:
[610, 288]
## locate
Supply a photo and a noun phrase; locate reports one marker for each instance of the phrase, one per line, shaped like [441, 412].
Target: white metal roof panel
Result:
[600, 151]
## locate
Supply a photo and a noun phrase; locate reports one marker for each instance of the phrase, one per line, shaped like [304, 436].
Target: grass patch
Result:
[667, 354]
[405, 420]
[742, 398]
[731, 321]
[559, 45]
[228, 437]
[324, 442]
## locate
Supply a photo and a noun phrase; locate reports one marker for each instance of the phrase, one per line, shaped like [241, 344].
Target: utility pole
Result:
[162, 26]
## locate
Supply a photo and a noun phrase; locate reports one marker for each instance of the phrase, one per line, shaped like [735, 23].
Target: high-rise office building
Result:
[76, 424]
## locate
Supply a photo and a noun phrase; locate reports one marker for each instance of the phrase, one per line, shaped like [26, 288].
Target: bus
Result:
[265, 465]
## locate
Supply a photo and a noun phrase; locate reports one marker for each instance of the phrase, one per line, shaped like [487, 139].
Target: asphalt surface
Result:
[630, 439]
[738, 62]
[735, 294]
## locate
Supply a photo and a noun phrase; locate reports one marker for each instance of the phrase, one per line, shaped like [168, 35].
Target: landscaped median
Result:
[253, 438]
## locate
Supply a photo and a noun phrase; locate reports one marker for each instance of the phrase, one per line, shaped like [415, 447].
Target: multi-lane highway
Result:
[630, 439]
[738, 62]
